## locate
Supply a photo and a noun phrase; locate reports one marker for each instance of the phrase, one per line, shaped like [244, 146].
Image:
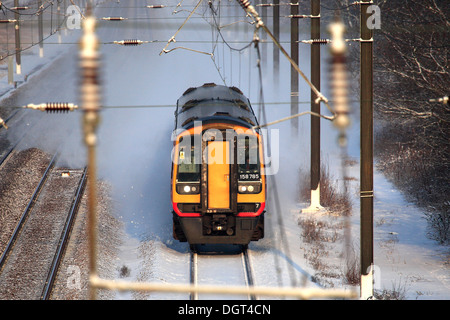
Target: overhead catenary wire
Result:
[339, 89]
[90, 103]
[52, 106]
[145, 106]
[52, 32]
[189, 49]
[245, 4]
[121, 42]
[219, 27]
[331, 118]
[276, 4]
[178, 5]
[172, 39]
[78, 9]
[247, 43]
[338, 8]
[216, 28]
[275, 193]
[2, 57]
[18, 10]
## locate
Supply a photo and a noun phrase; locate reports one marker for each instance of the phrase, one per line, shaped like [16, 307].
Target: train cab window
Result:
[189, 161]
[248, 159]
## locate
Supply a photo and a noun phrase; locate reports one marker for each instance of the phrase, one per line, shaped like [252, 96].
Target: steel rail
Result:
[248, 270]
[193, 273]
[26, 212]
[248, 274]
[7, 154]
[64, 240]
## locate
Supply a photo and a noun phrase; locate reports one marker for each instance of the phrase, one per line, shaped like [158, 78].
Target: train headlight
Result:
[188, 188]
[254, 187]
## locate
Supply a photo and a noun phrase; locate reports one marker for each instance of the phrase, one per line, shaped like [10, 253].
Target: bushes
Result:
[334, 200]
[421, 179]
[411, 67]
[326, 235]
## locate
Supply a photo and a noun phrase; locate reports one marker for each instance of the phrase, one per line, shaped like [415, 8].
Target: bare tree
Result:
[412, 66]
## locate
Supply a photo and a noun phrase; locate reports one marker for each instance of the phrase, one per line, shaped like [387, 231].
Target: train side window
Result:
[189, 161]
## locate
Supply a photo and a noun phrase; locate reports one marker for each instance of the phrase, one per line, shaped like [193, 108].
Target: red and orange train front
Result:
[218, 184]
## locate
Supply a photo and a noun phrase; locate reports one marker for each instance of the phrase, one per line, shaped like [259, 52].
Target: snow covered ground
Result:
[135, 146]
[405, 256]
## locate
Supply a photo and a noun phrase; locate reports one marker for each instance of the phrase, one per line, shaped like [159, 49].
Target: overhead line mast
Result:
[315, 108]
[294, 74]
[366, 170]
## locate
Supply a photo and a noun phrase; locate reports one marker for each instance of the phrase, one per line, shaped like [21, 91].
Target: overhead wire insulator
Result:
[297, 16]
[247, 6]
[250, 10]
[20, 8]
[156, 6]
[130, 42]
[53, 106]
[321, 41]
[339, 85]
[7, 20]
[244, 3]
[89, 64]
[301, 16]
[114, 18]
[275, 5]
[360, 2]
[316, 41]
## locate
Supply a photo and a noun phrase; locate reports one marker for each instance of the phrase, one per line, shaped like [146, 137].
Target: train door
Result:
[218, 174]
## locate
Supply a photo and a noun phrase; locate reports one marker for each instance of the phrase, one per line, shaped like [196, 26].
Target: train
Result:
[218, 185]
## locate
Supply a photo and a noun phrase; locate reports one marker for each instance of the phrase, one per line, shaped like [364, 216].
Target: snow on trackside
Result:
[405, 259]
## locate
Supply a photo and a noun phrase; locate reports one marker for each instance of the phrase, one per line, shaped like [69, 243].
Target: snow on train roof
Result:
[210, 101]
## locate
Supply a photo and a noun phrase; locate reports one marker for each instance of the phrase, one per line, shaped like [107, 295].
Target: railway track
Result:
[219, 267]
[8, 147]
[30, 261]
[64, 237]
[6, 150]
